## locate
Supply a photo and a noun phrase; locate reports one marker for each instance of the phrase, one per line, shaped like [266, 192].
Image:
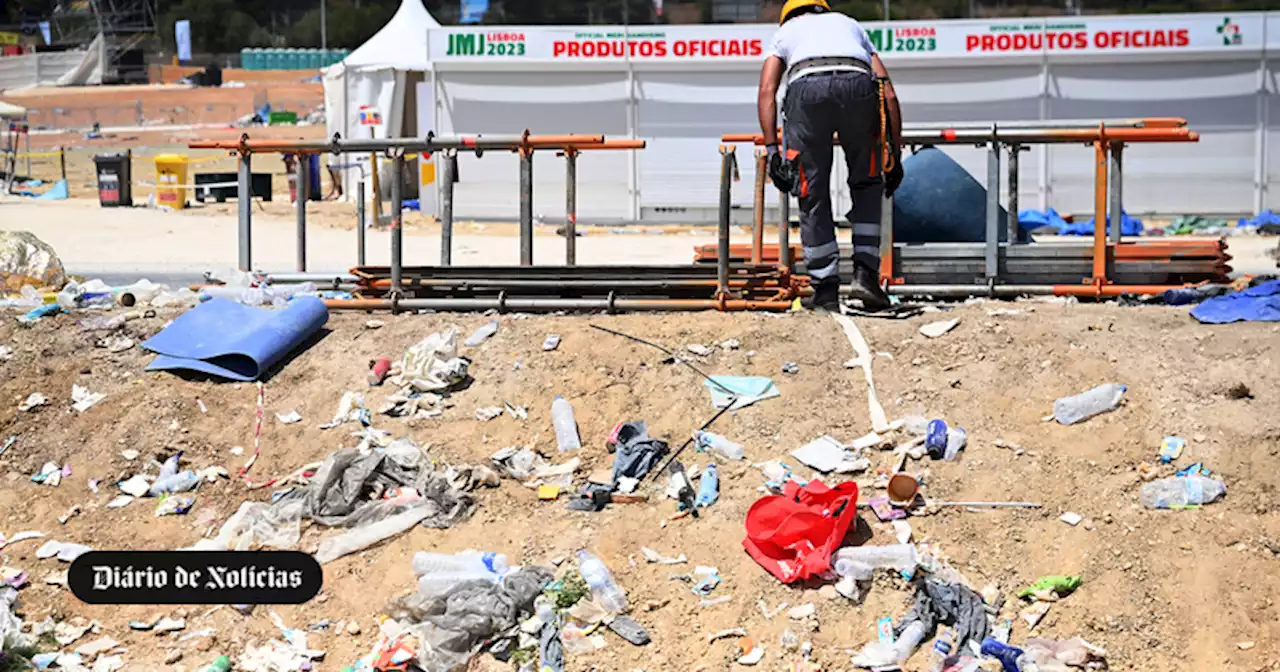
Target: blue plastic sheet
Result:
[227, 339]
[1040, 219]
[57, 192]
[1255, 304]
[1129, 226]
[1264, 218]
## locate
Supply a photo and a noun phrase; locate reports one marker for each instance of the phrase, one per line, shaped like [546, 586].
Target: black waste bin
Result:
[114, 179]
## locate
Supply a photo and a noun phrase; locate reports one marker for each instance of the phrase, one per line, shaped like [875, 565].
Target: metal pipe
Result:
[1012, 222]
[427, 145]
[728, 170]
[526, 207]
[1117, 189]
[964, 291]
[1154, 122]
[244, 203]
[397, 221]
[360, 224]
[552, 305]
[784, 230]
[571, 207]
[446, 206]
[377, 190]
[300, 203]
[318, 278]
[757, 222]
[1025, 136]
[1100, 212]
[992, 242]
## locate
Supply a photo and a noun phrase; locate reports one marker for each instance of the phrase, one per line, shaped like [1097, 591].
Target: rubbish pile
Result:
[374, 495]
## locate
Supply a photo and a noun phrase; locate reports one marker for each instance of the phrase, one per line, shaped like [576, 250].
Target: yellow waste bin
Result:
[171, 181]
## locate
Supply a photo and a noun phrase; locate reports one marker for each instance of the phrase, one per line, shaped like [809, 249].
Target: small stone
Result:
[1088, 525]
[802, 612]
[353, 628]
[828, 592]
[172, 657]
[203, 643]
[324, 597]
[1245, 646]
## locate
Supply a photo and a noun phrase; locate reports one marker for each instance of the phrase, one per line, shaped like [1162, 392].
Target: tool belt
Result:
[812, 66]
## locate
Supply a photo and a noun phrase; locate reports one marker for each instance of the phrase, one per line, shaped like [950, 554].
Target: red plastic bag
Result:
[794, 534]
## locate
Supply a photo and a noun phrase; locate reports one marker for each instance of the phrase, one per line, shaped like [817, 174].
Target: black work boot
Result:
[826, 296]
[866, 288]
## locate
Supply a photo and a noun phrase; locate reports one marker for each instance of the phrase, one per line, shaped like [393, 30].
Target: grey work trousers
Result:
[818, 106]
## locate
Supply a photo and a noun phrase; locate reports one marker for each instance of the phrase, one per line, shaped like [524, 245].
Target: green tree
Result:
[217, 26]
[347, 26]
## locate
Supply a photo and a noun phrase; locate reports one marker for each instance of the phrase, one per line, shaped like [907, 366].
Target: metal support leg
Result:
[1100, 213]
[886, 240]
[571, 207]
[244, 201]
[526, 207]
[784, 230]
[300, 203]
[1117, 190]
[1012, 223]
[757, 221]
[446, 207]
[360, 224]
[728, 173]
[993, 213]
[397, 228]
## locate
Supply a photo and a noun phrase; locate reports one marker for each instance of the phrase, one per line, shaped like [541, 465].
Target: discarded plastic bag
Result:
[368, 535]
[433, 365]
[256, 524]
[793, 535]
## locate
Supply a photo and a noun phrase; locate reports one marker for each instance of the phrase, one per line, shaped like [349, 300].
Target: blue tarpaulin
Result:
[940, 202]
[1264, 218]
[224, 338]
[1128, 227]
[1256, 304]
[1040, 219]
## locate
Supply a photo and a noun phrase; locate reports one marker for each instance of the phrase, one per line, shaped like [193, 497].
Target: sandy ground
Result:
[80, 107]
[1191, 590]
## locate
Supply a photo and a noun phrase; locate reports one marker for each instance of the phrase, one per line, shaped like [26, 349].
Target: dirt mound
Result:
[1162, 590]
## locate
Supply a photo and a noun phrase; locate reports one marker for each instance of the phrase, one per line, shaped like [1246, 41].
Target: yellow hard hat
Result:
[793, 5]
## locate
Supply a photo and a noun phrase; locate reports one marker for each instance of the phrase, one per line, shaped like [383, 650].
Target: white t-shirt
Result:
[824, 35]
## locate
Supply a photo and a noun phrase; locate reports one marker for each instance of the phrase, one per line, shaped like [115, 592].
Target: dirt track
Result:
[1162, 590]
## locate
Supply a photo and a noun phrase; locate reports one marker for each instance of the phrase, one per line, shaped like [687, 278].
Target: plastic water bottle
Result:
[1176, 492]
[708, 441]
[184, 481]
[439, 572]
[1103, 398]
[482, 334]
[908, 641]
[1010, 657]
[942, 647]
[565, 426]
[444, 563]
[860, 562]
[708, 487]
[220, 664]
[598, 577]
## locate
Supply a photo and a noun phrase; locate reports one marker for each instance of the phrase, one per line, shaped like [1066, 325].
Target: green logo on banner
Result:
[486, 44]
[913, 39]
[1230, 32]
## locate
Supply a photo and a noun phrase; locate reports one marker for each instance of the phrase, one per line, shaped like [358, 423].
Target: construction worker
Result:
[835, 85]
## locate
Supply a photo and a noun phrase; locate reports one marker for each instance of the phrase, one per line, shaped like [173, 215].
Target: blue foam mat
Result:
[227, 339]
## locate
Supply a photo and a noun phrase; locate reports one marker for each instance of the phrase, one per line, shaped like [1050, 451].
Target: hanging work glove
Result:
[893, 178]
[780, 170]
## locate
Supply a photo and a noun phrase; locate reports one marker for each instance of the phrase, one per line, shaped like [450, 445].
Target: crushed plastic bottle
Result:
[708, 441]
[566, 427]
[183, 481]
[1177, 492]
[606, 591]
[860, 562]
[139, 293]
[482, 334]
[1103, 398]
[178, 298]
[708, 487]
[1010, 657]
[943, 442]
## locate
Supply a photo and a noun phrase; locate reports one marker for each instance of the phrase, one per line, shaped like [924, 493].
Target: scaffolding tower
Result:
[124, 26]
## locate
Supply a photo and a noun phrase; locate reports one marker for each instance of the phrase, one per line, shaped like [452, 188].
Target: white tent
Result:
[377, 77]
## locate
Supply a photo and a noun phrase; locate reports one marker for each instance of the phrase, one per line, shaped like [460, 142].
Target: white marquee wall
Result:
[680, 107]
